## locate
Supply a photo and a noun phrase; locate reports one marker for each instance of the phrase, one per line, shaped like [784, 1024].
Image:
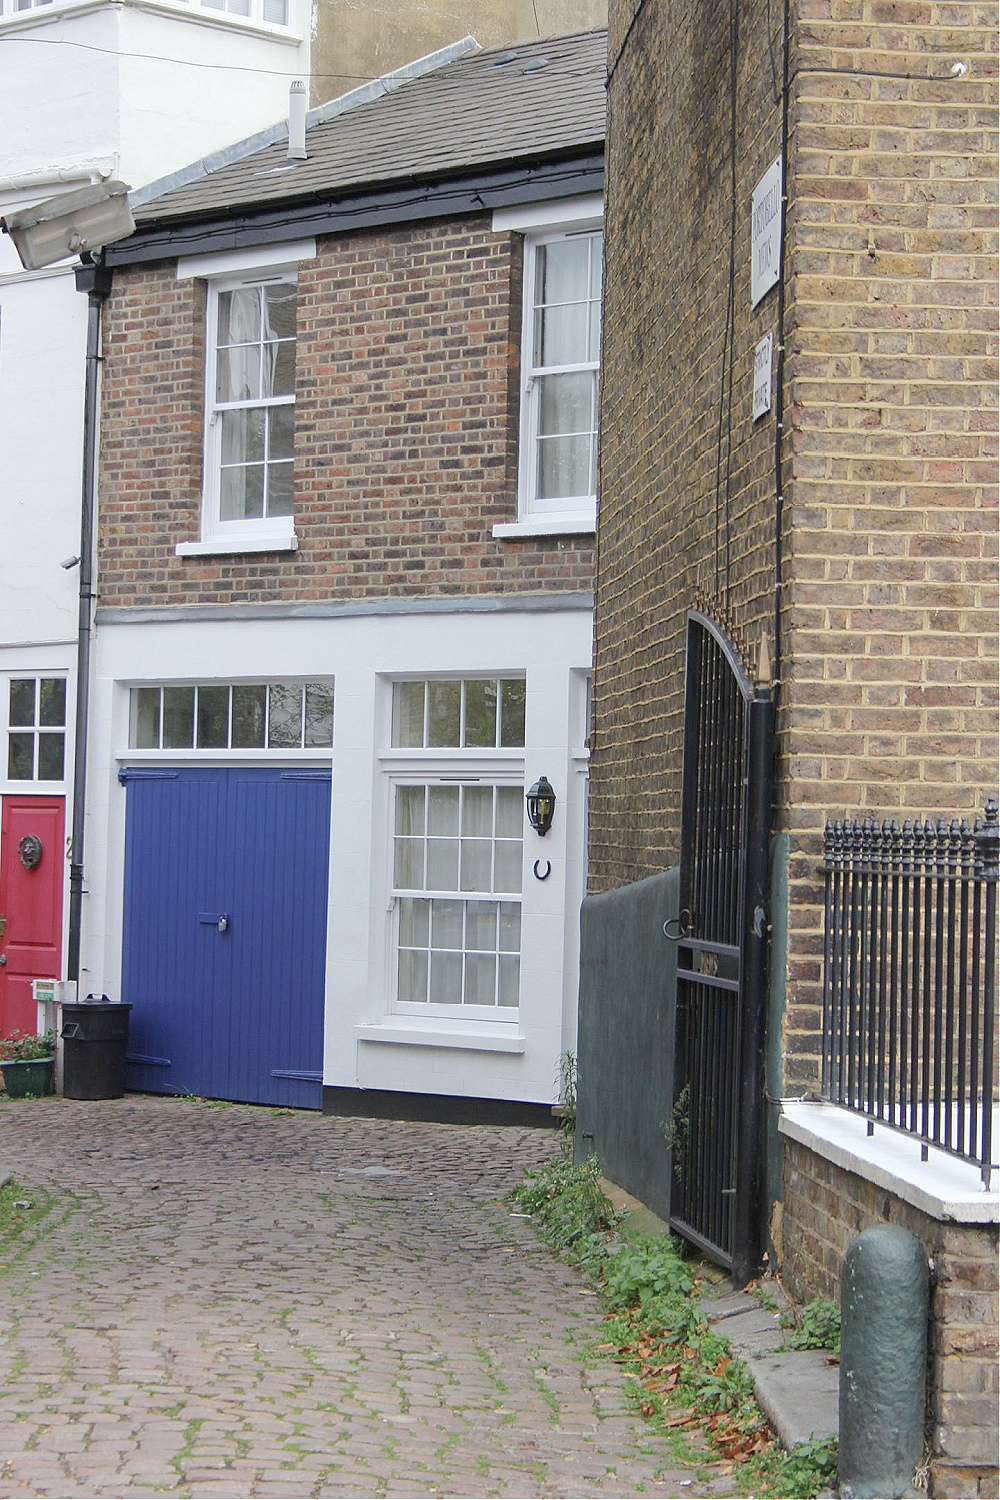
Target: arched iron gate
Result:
[722, 956]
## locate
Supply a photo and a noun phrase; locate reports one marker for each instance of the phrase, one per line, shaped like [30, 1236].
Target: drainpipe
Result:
[94, 279]
[23, 182]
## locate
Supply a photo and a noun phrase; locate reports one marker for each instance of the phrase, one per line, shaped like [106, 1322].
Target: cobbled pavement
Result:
[237, 1301]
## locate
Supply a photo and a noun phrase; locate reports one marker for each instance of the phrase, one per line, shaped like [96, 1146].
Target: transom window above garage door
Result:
[232, 716]
[462, 713]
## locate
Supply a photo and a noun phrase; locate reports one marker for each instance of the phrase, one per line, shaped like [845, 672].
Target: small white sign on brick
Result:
[765, 234]
[762, 359]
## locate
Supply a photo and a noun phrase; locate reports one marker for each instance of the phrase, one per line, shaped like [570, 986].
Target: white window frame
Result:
[448, 765]
[198, 10]
[541, 225]
[225, 272]
[24, 785]
[447, 771]
[266, 753]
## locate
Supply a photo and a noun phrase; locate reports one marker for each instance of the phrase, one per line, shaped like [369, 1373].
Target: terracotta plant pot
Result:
[22, 1079]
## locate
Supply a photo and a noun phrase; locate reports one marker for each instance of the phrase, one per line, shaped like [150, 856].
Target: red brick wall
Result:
[406, 431]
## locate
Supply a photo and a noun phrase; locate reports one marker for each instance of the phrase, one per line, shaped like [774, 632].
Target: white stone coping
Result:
[942, 1187]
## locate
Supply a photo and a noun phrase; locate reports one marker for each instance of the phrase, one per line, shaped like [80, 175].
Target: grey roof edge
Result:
[332, 609]
[386, 83]
[532, 182]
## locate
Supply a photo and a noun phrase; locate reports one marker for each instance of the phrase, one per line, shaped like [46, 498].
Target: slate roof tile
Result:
[531, 101]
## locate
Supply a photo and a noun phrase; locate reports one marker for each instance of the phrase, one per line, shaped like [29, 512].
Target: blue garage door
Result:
[225, 932]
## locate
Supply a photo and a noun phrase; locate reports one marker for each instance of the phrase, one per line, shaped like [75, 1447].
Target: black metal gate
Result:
[722, 957]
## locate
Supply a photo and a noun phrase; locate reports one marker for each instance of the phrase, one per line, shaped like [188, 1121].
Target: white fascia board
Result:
[561, 213]
[232, 262]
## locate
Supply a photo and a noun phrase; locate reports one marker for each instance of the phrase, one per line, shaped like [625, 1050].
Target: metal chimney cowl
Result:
[297, 121]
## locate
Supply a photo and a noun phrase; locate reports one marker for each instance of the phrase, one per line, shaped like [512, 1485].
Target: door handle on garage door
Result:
[219, 919]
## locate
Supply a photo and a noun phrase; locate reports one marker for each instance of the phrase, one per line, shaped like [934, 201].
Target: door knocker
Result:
[29, 851]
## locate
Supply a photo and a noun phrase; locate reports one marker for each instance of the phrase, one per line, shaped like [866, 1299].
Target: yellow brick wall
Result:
[890, 699]
[888, 692]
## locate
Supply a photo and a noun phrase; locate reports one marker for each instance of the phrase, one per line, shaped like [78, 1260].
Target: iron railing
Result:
[910, 978]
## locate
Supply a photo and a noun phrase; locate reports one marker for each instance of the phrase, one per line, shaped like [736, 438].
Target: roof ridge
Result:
[377, 88]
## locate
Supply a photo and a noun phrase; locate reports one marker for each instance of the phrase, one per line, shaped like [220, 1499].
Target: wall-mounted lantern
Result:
[541, 800]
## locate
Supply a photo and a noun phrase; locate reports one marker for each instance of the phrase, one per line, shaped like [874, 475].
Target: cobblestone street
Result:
[248, 1302]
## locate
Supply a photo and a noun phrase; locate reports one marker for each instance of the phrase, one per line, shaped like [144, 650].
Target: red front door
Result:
[31, 903]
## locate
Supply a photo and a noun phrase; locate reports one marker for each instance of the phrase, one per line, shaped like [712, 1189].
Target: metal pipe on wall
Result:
[94, 279]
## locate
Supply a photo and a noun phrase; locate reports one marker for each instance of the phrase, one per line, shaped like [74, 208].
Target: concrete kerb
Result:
[798, 1390]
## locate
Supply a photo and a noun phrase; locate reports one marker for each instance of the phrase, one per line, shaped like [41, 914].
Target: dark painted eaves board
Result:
[536, 102]
[478, 193]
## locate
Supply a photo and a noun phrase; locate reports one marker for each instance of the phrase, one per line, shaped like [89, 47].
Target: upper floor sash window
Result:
[560, 361]
[249, 447]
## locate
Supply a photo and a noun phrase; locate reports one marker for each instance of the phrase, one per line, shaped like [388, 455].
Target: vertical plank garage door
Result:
[224, 941]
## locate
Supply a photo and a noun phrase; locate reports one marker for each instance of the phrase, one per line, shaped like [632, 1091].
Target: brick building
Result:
[848, 531]
[346, 517]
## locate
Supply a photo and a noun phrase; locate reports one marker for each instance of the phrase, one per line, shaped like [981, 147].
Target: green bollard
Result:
[883, 1357]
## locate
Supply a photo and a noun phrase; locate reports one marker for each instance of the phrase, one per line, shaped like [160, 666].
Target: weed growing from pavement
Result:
[25, 1216]
[683, 1379]
[817, 1326]
[763, 1295]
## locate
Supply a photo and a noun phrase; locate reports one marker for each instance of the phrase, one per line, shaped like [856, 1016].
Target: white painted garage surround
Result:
[512, 1054]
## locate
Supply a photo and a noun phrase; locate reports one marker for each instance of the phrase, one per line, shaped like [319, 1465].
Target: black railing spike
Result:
[941, 840]
[910, 976]
[987, 838]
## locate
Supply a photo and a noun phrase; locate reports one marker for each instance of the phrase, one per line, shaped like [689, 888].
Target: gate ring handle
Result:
[683, 929]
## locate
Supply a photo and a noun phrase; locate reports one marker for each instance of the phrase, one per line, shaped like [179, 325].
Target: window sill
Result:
[581, 524]
[481, 1040]
[218, 545]
[942, 1187]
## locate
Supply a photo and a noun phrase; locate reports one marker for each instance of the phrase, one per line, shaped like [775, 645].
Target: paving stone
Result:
[234, 1302]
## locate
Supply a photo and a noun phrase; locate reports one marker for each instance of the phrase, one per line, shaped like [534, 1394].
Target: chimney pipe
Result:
[297, 121]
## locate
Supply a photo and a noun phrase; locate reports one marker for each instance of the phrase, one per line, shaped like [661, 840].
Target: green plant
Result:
[675, 1132]
[817, 1326]
[643, 1271]
[19, 1047]
[565, 1201]
[762, 1293]
[810, 1467]
[567, 1094]
[682, 1373]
